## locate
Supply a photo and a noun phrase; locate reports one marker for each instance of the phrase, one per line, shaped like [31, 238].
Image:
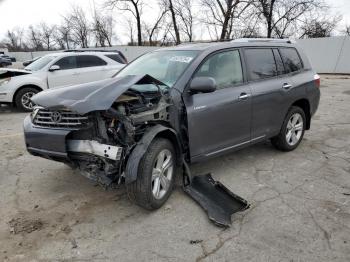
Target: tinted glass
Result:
[224, 67]
[116, 58]
[291, 59]
[68, 62]
[166, 66]
[89, 61]
[261, 63]
[279, 62]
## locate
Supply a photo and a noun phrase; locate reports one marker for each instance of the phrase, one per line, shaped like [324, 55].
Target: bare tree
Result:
[135, 8]
[281, 15]
[154, 29]
[184, 10]
[221, 13]
[346, 31]
[47, 35]
[79, 26]
[35, 39]
[103, 28]
[14, 39]
[63, 36]
[319, 27]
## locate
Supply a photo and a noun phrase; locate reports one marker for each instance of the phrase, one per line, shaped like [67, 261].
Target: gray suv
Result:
[173, 107]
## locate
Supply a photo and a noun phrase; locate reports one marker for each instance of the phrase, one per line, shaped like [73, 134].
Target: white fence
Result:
[131, 52]
[327, 55]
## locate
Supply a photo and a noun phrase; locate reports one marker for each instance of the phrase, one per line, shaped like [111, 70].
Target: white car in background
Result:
[56, 70]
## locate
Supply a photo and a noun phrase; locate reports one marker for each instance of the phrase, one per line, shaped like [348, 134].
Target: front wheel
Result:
[292, 130]
[23, 99]
[156, 175]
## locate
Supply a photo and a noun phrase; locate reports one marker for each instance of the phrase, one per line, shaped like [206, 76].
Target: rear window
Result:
[261, 63]
[89, 61]
[116, 58]
[291, 59]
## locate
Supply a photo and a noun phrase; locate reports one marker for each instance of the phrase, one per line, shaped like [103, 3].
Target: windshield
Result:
[40, 63]
[165, 66]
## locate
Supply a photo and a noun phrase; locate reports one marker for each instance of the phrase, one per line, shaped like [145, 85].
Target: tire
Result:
[21, 99]
[143, 191]
[291, 134]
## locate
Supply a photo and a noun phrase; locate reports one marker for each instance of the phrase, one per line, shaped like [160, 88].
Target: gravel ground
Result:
[300, 203]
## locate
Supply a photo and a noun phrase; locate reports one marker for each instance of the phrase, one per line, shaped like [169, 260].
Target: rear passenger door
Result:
[269, 86]
[91, 68]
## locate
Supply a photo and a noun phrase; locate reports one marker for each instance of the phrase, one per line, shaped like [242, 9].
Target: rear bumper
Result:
[47, 143]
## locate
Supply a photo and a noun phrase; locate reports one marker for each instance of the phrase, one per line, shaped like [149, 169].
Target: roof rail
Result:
[268, 40]
[90, 50]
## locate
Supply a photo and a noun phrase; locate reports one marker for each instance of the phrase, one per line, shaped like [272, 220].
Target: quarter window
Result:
[89, 61]
[68, 62]
[116, 58]
[291, 59]
[261, 63]
[224, 67]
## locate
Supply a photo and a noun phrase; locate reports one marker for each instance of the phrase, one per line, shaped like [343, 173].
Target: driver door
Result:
[67, 75]
[221, 120]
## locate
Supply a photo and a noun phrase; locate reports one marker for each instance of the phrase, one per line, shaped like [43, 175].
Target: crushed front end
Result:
[98, 142]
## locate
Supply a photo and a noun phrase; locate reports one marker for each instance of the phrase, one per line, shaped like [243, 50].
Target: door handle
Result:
[287, 86]
[243, 96]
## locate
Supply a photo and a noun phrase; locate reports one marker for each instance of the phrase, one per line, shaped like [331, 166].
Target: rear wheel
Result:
[23, 98]
[292, 130]
[156, 175]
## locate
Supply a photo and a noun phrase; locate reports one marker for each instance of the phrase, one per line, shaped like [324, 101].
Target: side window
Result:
[224, 67]
[291, 59]
[261, 63]
[68, 62]
[116, 58]
[279, 62]
[89, 61]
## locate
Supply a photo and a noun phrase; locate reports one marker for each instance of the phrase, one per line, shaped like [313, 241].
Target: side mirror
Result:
[202, 84]
[54, 68]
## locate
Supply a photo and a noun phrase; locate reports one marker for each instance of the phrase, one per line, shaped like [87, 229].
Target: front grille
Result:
[59, 119]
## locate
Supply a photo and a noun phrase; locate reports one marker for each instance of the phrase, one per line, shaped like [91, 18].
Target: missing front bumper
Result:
[95, 148]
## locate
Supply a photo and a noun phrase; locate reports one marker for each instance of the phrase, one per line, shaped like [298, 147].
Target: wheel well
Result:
[15, 94]
[305, 105]
[171, 136]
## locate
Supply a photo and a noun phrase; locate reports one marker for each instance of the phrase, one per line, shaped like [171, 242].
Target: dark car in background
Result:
[5, 61]
[176, 105]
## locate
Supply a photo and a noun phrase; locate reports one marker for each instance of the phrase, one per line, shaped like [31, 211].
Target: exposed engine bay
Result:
[101, 149]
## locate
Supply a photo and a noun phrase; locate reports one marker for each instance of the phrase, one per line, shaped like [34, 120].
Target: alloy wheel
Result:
[162, 173]
[26, 102]
[295, 128]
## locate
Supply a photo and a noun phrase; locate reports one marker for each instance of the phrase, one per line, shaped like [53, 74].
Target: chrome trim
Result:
[237, 145]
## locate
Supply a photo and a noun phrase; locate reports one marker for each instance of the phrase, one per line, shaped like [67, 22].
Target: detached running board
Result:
[216, 199]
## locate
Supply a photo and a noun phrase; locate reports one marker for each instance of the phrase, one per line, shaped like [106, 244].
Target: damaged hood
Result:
[13, 72]
[95, 96]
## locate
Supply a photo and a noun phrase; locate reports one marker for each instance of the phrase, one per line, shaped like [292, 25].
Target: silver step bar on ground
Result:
[94, 148]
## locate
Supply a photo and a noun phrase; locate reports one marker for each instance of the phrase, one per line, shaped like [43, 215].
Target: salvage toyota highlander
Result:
[173, 107]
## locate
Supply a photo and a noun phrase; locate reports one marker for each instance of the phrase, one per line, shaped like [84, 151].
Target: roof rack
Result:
[268, 40]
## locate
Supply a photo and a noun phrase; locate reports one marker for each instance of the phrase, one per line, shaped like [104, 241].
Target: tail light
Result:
[317, 80]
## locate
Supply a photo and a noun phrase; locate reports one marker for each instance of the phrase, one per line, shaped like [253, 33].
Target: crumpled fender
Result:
[136, 155]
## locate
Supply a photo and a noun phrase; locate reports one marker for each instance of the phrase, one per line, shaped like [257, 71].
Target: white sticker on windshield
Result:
[181, 59]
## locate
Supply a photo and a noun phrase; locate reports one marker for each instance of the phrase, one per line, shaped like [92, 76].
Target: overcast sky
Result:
[22, 13]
